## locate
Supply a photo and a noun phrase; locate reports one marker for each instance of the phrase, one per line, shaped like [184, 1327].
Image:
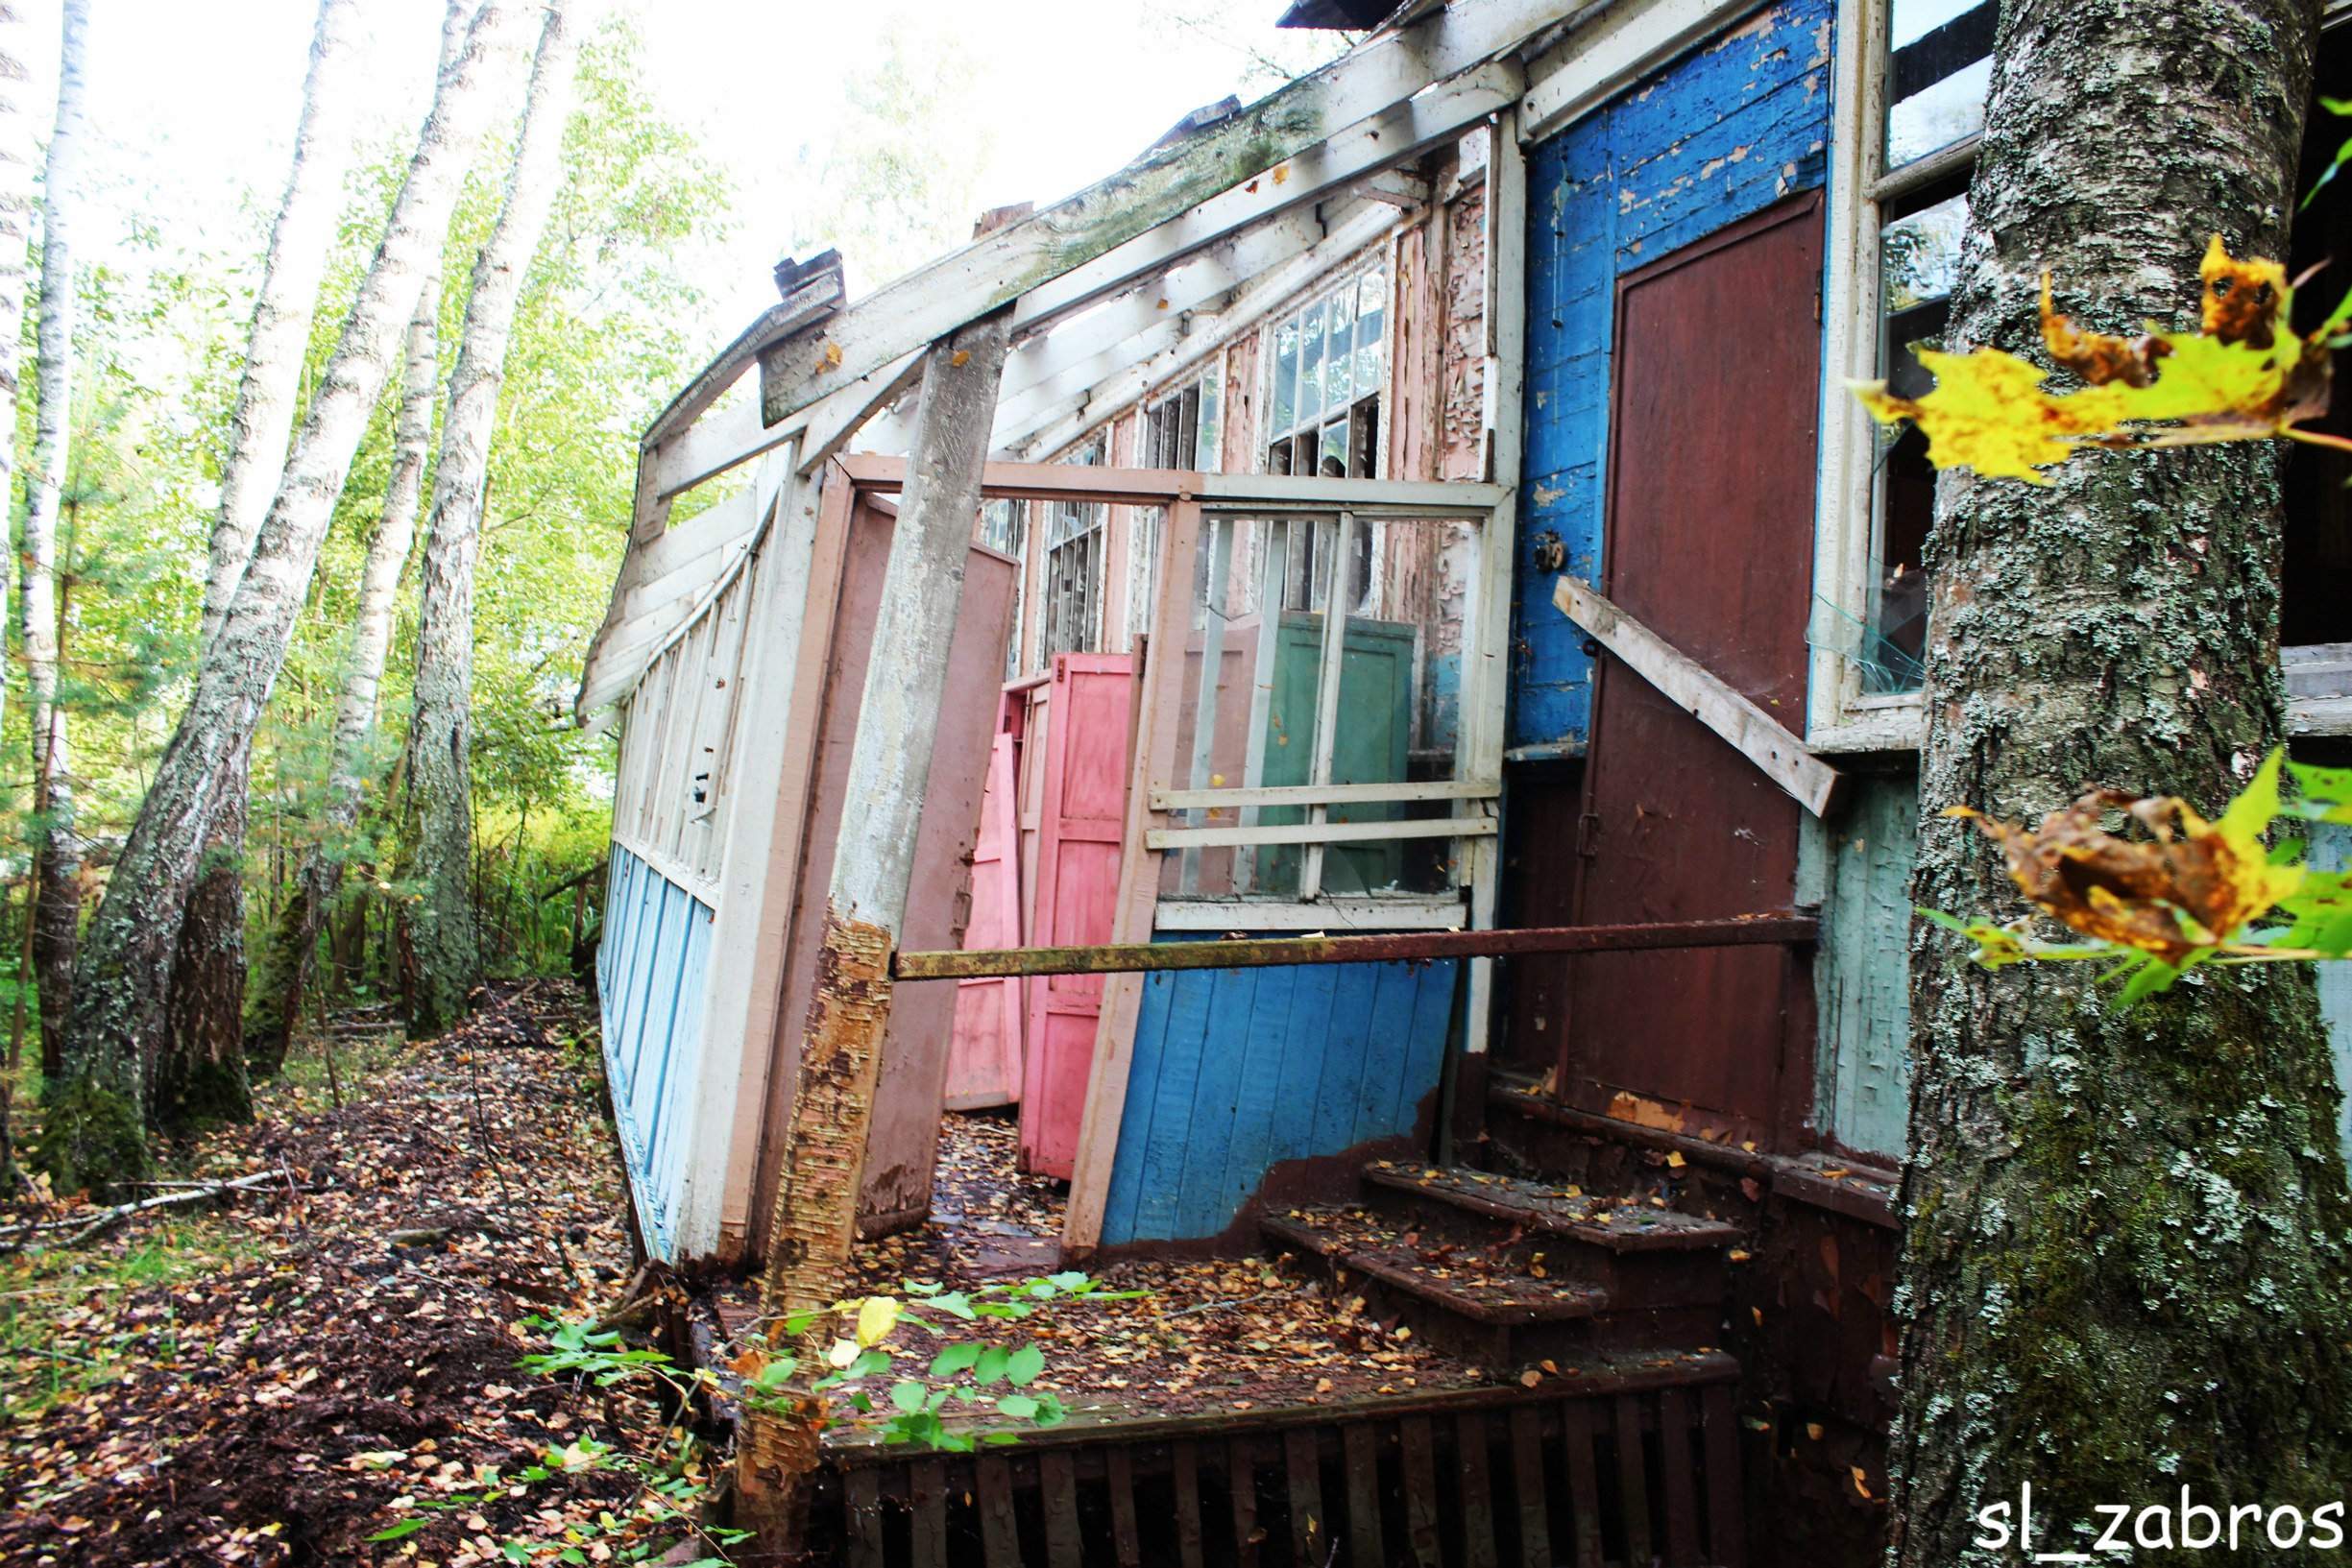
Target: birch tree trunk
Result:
[200, 1072]
[94, 1129]
[444, 935]
[56, 852]
[2126, 1267]
[285, 967]
[16, 207]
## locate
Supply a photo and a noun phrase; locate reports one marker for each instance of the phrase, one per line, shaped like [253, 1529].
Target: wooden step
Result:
[1616, 1224]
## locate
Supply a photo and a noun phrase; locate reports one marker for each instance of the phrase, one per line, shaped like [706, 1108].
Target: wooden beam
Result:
[1320, 833]
[825, 1135]
[1380, 80]
[814, 297]
[1748, 728]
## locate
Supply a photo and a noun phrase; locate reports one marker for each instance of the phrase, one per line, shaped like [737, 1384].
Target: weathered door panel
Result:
[984, 1065]
[1710, 542]
[1081, 810]
[900, 1147]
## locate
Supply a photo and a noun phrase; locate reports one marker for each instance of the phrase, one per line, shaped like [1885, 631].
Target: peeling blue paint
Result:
[650, 969]
[1858, 867]
[1723, 132]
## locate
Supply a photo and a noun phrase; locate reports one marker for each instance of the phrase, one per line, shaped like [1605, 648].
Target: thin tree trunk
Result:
[2126, 1270]
[200, 1072]
[284, 968]
[17, 203]
[56, 853]
[445, 934]
[118, 1009]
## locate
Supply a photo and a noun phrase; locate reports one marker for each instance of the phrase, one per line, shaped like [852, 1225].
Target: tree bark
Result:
[57, 851]
[2127, 1266]
[200, 1072]
[17, 203]
[285, 962]
[117, 1015]
[444, 931]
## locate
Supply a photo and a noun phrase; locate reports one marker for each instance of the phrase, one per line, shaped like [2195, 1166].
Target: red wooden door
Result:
[984, 1065]
[1711, 543]
[1081, 810]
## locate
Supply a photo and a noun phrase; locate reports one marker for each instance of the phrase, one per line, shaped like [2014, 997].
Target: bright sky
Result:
[192, 108]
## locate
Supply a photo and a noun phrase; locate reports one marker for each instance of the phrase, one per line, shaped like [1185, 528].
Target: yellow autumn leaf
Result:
[877, 1316]
[2243, 376]
[842, 1353]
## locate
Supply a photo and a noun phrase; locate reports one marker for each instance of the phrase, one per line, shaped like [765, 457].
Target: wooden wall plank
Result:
[1476, 1497]
[1681, 1480]
[1057, 1489]
[1527, 1479]
[1119, 1470]
[1420, 1478]
[861, 1493]
[1726, 1529]
[926, 1516]
[1242, 1481]
[1184, 1467]
[1633, 1477]
[999, 1527]
[1302, 1464]
[1584, 1479]
[1360, 1445]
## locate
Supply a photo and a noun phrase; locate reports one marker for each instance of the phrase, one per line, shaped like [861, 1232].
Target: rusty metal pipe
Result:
[1136, 957]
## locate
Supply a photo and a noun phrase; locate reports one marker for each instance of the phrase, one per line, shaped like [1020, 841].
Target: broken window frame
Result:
[1353, 415]
[1864, 689]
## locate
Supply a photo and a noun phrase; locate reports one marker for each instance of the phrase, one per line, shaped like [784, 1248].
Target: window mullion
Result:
[1327, 702]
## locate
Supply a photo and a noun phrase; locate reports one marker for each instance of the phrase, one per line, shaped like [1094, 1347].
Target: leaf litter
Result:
[339, 1351]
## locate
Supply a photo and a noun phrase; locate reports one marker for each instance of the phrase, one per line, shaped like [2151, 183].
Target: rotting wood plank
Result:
[1360, 1445]
[1527, 1479]
[1584, 1479]
[862, 1492]
[1303, 1461]
[1420, 1474]
[823, 1170]
[927, 1514]
[1184, 1463]
[1381, 77]
[1726, 1529]
[1141, 957]
[1682, 1491]
[1476, 1498]
[1633, 1477]
[1057, 1489]
[1119, 1472]
[1745, 726]
[999, 1530]
[1240, 1472]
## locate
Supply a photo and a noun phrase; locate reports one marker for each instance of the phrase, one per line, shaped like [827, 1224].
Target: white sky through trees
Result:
[192, 108]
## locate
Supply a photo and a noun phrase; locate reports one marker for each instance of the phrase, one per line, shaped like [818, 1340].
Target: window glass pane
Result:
[1286, 375]
[1371, 329]
[1939, 71]
[1209, 451]
[1918, 256]
[1340, 359]
[1312, 342]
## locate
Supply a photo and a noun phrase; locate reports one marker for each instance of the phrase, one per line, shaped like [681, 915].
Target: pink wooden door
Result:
[984, 1063]
[1080, 809]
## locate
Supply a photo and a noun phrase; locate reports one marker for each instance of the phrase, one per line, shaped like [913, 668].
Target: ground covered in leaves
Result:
[336, 1356]
[1203, 1337]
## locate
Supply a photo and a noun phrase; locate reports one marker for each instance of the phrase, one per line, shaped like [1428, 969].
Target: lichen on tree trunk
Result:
[2127, 1266]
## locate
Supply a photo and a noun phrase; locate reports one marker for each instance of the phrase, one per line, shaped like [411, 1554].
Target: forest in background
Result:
[607, 324]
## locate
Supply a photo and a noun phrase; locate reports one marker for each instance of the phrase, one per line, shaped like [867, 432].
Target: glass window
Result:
[1072, 590]
[1281, 694]
[1330, 363]
[1939, 71]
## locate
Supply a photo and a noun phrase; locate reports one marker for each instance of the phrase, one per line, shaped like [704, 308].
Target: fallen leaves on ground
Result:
[273, 1384]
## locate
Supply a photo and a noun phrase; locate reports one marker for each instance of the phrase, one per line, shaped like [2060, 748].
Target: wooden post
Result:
[832, 1104]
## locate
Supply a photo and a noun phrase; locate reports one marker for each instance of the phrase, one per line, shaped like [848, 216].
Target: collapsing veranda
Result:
[1359, 679]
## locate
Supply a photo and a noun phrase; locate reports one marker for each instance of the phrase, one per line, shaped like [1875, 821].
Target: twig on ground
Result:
[110, 1218]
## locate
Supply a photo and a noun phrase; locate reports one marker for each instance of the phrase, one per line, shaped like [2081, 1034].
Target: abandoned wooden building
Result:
[1424, 504]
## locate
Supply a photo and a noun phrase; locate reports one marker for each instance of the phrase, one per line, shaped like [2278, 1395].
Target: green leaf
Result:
[778, 1372]
[869, 1363]
[573, 1555]
[862, 1401]
[2248, 816]
[955, 1359]
[908, 1396]
[999, 1437]
[1024, 1365]
[956, 1303]
[406, 1527]
[990, 1367]
[1073, 1281]
[1020, 1407]
[2151, 976]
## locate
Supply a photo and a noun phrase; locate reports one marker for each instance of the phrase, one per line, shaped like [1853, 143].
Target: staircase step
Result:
[1617, 1224]
[1461, 1281]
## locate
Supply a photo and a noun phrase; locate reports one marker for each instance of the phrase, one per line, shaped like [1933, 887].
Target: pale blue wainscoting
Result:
[649, 978]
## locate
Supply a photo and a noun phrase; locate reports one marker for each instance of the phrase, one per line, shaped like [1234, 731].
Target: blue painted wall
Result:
[1721, 134]
[1238, 1070]
[2331, 850]
[650, 969]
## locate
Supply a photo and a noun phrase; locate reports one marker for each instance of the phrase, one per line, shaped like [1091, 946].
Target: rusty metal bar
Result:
[1260, 952]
